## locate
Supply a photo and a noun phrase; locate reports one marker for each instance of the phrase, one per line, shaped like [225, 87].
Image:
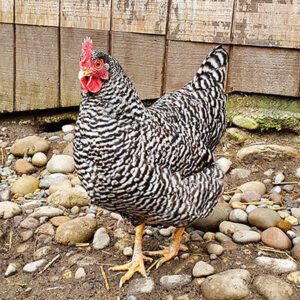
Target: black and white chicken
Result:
[153, 165]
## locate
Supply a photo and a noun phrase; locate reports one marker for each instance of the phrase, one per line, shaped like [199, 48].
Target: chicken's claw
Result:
[136, 265]
[167, 254]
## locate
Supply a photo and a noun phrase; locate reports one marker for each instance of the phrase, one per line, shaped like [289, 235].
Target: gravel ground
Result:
[252, 226]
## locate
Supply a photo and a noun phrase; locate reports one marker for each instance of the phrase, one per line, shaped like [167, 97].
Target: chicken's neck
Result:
[117, 98]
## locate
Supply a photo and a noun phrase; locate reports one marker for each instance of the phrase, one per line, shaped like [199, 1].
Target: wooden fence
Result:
[160, 44]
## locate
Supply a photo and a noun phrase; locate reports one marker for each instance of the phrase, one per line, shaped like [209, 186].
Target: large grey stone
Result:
[263, 218]
[141, 286]
[273, 288]
[220, 213]
[227, 285]
[276, 265]
[173, 281]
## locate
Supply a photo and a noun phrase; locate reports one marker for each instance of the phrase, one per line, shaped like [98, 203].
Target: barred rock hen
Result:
[153, 165]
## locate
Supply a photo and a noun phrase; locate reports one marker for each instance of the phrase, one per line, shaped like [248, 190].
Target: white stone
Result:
[297, 173]
[276, 190]
[296, 240]
[61, 163]
[68, 128]
[279, 178]
[227, 227]
[39, 159]
[238, 215]
[11, 270]
[116, 216]
[34, 266]
[250, 208]
[80, 273]
[246, 236]
[54, 138]
[291, 234]
[52, 179]
[46, 211]
[128, 251]
[202, 268]
[277, 265]
[69, 137]
[224, 164]
[269, 172]
[167, 231]
[9, 209]
[5, 194]
[101, 239]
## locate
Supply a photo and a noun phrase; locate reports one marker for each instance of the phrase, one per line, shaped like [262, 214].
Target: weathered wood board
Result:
[37, 67]
[140, 16]
[203, 21]
[6, 67]
[183, 61]
[93, 14]
[6, 11]
[141, 56]
[41, 12]
[71, 40]
[264, 70]
[267, 23]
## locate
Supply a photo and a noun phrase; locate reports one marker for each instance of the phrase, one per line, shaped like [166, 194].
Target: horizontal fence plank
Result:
[203, 21]
[267, 23]
[42, 12]
[6, 11]
[181, 67]
[142, 57]
[92, 14]
[140, 16]
[264, 70]
[71, 40]
[6, 67]
[37, 67]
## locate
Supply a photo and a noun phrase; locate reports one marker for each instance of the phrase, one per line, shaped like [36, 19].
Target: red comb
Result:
[87, 50]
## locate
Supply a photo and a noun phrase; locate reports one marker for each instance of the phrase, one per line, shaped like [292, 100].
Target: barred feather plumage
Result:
[154, 165]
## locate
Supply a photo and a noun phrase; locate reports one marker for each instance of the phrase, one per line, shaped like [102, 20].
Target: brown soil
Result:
[51, 284]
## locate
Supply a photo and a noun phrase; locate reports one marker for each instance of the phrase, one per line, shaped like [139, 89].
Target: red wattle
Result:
[94, 84]
[84, 82]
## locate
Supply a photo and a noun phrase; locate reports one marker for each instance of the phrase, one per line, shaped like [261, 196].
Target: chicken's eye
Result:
[98, 64]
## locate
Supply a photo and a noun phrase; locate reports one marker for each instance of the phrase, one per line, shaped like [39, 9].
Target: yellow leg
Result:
[169, 252]
[137, 262]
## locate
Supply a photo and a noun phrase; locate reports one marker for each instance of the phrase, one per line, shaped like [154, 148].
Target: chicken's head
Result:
[94, 68]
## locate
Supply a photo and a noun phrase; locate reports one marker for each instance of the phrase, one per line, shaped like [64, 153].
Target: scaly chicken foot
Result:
[171, 251]
[137, 262]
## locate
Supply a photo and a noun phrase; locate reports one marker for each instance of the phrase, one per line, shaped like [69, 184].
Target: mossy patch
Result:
[268, 113]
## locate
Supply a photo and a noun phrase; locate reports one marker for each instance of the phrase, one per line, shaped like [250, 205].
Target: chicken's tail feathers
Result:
[213, 69]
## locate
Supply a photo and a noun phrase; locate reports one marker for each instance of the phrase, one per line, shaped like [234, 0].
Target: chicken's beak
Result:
[83, 74]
